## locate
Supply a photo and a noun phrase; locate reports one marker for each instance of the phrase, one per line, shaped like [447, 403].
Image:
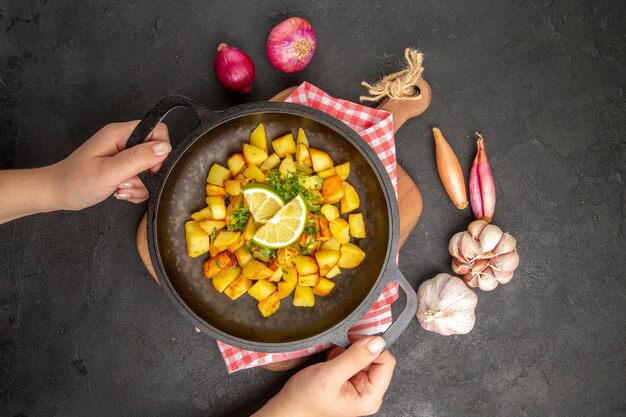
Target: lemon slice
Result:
[285, 227]
[262, 202]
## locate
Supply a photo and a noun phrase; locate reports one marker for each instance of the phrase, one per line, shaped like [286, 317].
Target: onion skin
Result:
[291, 45]
[234, 69]
[481, 184]
[450, 171]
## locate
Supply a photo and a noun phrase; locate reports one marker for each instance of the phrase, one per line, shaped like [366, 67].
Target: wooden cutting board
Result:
[409, 197]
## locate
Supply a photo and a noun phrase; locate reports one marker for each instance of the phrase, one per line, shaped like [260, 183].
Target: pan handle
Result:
[403, 320]
[159, 111]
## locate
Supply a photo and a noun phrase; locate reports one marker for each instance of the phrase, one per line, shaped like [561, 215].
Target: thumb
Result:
[139, 158]
[356, 357]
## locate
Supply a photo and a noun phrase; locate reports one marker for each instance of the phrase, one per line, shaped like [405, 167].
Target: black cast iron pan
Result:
[179, 190]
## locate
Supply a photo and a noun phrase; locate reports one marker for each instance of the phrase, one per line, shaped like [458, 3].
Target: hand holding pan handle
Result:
[158, 112]
[391, 274]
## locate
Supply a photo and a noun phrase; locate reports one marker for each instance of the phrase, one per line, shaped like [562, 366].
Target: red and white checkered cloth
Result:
[376, 128]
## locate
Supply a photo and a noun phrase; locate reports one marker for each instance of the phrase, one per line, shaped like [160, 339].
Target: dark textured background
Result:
[85, 331]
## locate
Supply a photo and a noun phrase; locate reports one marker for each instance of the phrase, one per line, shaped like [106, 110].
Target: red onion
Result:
[234, 68]
[291, 45]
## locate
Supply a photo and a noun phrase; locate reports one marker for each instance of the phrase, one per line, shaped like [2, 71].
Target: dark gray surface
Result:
[85, 331]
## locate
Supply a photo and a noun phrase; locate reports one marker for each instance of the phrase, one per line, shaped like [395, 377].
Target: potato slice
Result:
[225, 278]
[343, 170]
[330, 172]
[286, 288]
[258, 138]
[335, 270]
[278, 271]
[253, 172]
[331, 244]
[251, 229]
[287, 256]
[236, 162]
[217, 175]
[302, 154]
[350, 200]
[323, 230]
[233, 187]
[219, 263]
[218, 207]
[238, 287]
[253, 155]
[257, 270]
[302, 138]
[284, 145]
[351, 256]
[340, 229]
[224, 238]
[323, 287]
[287, 165]
[198, 241]
[203, 214]
[212, 226]
[243, 257]
[236, 202]
[311, 182]
[215, 190]
[332, 190]
[330, 212]
[321, 160]
[308, 280]
[304, 168]
[303, 297]
[271, 162]
[215, 250]
[326, 259]
[262, 289]
[357, 225]
[290, 274]
[237, 244]
[270, 305]
[306, 265]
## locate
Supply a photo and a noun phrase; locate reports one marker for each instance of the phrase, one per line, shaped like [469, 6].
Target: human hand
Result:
[102, 166]
[350, 384]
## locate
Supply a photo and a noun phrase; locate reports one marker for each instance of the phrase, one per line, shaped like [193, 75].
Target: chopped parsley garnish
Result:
[238, 219]
[268, 253]
[289, 186]
[311, 227]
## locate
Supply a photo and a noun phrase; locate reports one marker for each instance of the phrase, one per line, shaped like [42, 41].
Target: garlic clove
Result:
[479, 266]
[489, 237]
[506, 262]
[446, 306]
[486, 281]
[454, 247]
[460, 268]
[503, 277]
[507, 244]
[471, 280]
[476, 227]
[469, 247]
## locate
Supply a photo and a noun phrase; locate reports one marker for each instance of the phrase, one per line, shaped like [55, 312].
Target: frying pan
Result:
[179, 189]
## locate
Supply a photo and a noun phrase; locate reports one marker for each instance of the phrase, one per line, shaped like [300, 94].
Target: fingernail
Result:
[121, 196]
[125, 186]
[376, 345]
[161, 148]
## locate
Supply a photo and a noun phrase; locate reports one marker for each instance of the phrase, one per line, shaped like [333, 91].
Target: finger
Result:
[131, 162]
[380, 373]
[334, 352]
[133, 195]
[113, 137]
[356, 357]
[155, 168]
[133, 182]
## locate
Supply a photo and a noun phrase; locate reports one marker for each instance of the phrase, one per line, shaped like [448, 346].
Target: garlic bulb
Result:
[446, 306]
[484, 255]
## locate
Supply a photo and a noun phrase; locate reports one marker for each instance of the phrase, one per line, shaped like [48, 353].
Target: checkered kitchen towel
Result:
[376, 128]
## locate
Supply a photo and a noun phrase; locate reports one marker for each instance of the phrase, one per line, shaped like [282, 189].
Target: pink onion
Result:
[234, 68]
[291, 45]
